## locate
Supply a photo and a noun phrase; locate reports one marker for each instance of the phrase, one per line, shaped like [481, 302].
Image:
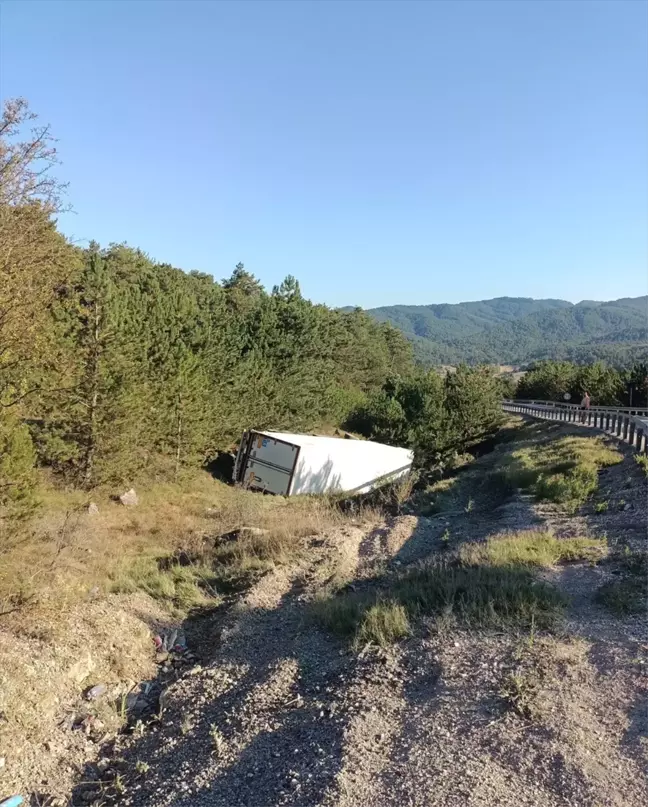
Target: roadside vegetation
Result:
[117, 372]
[564, 470]
[491, 584]
[185, 545]
[607, 386]
[642, 462]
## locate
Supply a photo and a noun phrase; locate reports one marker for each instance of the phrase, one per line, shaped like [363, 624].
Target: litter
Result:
[12, 801]
[95, 692]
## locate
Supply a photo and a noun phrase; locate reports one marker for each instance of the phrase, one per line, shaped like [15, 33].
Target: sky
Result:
[381, 152]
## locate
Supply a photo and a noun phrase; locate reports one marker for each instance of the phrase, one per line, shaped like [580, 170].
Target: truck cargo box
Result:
[290, 464]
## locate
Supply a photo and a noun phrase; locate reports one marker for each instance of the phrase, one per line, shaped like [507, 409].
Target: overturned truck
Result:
[290, 464]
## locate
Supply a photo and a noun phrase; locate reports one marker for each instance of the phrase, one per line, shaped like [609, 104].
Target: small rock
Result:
[92, 509]
[161, 656]
[81, 669]
[3, 762]
[95, 692]
[129, 499]
[294, 783]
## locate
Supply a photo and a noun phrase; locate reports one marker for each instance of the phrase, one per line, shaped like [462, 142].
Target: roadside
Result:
[467, 708]
[84, 592]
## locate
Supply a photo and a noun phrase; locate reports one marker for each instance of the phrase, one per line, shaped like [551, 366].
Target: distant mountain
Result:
[518, 330]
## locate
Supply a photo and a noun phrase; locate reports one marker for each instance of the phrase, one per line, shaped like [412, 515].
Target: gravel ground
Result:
[280, 713]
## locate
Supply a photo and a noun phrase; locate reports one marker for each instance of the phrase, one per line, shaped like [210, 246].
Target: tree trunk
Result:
[91, 444]
[178, 442]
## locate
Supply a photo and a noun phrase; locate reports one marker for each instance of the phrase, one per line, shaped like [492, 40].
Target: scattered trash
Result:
[3, 762]
[92, 509]
[12, 801]
[95, 692]
[129, 499]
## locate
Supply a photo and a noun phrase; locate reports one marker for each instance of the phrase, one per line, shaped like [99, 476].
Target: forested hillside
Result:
[509, 330]
[115, 367]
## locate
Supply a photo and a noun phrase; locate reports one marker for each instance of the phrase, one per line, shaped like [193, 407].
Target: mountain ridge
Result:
[519, 330]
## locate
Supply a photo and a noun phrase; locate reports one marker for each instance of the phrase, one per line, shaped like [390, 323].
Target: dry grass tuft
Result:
[66, 552]
[532, 548]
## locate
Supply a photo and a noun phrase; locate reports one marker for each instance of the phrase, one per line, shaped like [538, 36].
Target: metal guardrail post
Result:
[625, 426]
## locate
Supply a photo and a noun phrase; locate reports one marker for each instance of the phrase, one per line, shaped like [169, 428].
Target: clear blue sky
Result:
[382, 152]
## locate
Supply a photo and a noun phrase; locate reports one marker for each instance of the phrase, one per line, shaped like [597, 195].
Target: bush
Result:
[17, 476]
[564, 471]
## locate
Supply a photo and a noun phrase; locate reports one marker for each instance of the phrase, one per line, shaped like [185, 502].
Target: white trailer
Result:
[289, 464]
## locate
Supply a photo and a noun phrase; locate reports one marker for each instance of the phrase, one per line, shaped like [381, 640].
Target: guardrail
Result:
[640, 411]
[622, 423]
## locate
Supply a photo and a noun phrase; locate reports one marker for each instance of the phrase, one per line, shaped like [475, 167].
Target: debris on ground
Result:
[95, 692]
[129, 499]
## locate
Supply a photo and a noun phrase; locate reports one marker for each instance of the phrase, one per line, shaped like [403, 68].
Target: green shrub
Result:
[564, 471]
[17, 477]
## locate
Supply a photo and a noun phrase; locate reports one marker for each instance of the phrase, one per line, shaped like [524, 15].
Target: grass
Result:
[65, 552]
[490, 584]
[564, 471]
[178, 587]
[601, 507]
[519, 692]
[642, 462]
[627, 593]
[532, 548]
[383, 624]
[217, 740]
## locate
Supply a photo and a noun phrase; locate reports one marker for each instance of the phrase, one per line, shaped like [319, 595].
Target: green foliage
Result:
[383, 624]
[439, 418]
[550, 380]
[486, 584]
[476, 595]
[564, 471]
[156, 370]
[17, 478]
[642, 462]
[532, 548]
[181, 587]
[510, 330]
